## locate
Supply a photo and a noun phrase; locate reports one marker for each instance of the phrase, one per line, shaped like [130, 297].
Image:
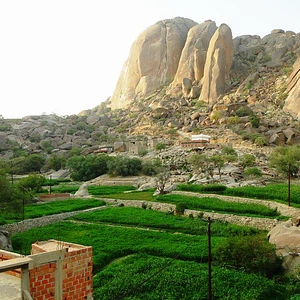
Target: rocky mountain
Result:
[183, 78]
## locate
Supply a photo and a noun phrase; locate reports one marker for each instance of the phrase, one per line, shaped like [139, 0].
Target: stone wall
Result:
[43, 221]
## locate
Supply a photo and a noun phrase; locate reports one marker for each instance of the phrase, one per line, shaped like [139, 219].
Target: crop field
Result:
[50, 208]
[145, 254]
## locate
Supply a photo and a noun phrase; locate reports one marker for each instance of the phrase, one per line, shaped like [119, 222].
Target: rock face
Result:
[193, 57]
[292, 102]
[152, 62]
[218, 64]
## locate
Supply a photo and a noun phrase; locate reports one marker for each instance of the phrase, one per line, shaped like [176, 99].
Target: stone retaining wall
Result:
[42, 221]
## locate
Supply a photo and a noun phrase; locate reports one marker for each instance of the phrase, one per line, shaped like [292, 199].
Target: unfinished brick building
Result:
[54, 270]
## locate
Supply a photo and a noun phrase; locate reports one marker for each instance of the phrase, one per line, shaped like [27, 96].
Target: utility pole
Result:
[11, 173]
[209, 260]
[289, 186]
[50, 183]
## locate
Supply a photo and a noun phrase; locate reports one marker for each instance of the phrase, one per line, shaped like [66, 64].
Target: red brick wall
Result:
[77, 274]
[42, 282]
[77, 267]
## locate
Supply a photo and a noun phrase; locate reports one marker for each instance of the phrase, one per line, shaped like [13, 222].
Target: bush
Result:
[254, 120]
[253, 172]
[216, 115]
[260, 141]
[233, 120]
[202, 188]
[242, 112]
[228, 151]
[180, 208]
[124, 166]
[247, 160]
[32, 183]
[151, 167]
[250, 254]
[86, 168]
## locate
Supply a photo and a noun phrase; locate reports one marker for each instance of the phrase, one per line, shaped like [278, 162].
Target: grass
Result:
[110, 242]
[134, 278]
[165, 263]
[131, 216]
[177, 260]
[32, 211]
[215, 204]
[269, 192]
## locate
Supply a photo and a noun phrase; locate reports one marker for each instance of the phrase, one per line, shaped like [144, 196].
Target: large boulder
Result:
[286, 238]
[5, 241]
[152, 62]
[218, 64]
[82, 191]
[192, 60]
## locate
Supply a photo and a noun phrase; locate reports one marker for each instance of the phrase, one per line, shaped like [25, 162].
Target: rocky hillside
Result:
[183, 78]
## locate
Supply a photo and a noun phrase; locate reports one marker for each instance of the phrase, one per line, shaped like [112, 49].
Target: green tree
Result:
[86, 168]
[247, 160]
[160, 146]
[252, 172]
[161, 180]
[151, 167]
[199, 162]
[56, 162]
[124, 166]
[32, 184]
[218, 162]
[34, 163]
[286, 160]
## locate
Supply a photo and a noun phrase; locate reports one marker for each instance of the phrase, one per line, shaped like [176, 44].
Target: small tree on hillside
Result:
[161, 180]
[160, 146]
[218, 162]
[286, 160]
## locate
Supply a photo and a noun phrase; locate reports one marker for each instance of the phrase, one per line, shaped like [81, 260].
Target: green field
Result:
[144, 254]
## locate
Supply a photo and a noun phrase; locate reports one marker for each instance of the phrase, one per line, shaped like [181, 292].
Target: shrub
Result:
[247, 160]
[85, 168]
[253, 172]
[124, 166]
[216, 115]
[32, 183]
[242, 112]
[228, 151]
[151, 167]
[251, 254]
[254, 120]
[180, 208]
[261, 141]
[233, 120]
[202, 188]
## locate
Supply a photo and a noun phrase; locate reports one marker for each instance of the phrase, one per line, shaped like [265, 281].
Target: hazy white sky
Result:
[64, 56]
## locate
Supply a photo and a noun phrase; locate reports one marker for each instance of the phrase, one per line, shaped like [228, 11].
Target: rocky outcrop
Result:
[218, 64]
[152, 62]
[286, 238]
[193, 57]
[292, 102]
